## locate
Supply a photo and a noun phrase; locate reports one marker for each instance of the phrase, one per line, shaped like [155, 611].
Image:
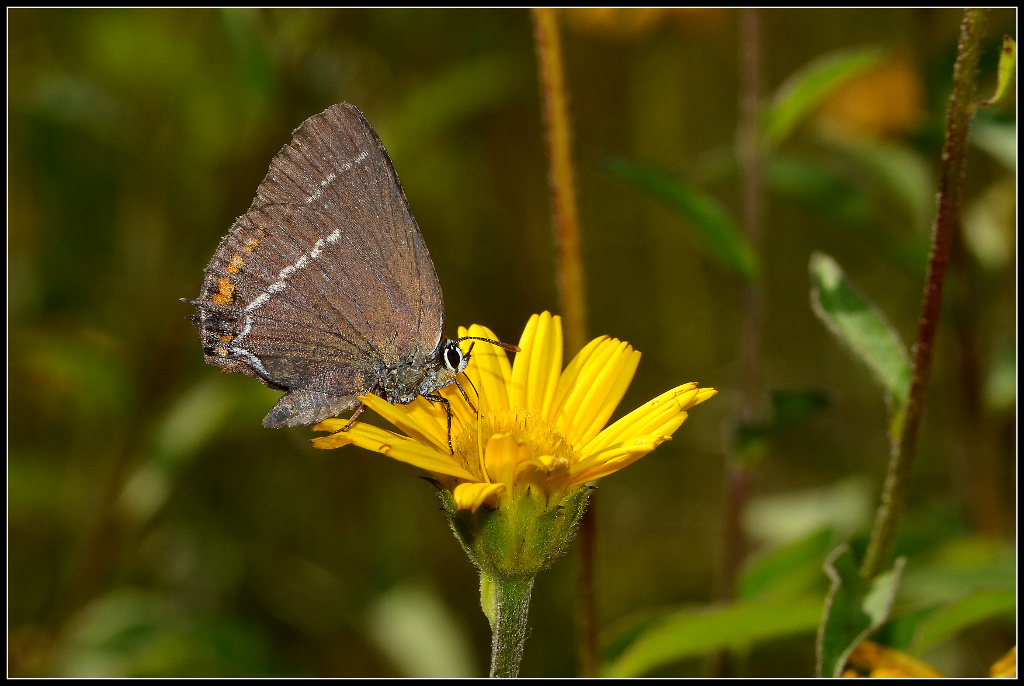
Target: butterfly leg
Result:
[434, 397]
[463, 392]
[355, 415]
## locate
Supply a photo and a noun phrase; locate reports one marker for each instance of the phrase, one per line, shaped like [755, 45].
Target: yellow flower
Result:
[539, 427]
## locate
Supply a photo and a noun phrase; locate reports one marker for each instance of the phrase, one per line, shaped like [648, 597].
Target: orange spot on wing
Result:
[223, 352]
[250, 244]
[225, 291]
[226, 338]
[237, 262]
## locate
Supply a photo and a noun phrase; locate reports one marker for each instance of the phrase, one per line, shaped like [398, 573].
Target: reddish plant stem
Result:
[901, 462]
[737, 472]
[748, 151]
[563, 188]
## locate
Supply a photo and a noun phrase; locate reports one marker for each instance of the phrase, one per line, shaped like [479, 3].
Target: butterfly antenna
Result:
[506, 346]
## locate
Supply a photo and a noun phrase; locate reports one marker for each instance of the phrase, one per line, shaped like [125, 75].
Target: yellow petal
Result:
[330, 424]
[569, 379]
[531, 474]
[369, 436]
[590, 399]
[419, 455]
[471, 496]
[613, 459]
[421, 419]
[584, 379]
[606, 393]
[489, 369]
[517, 391]
[463, 413]
[545, 364]
[338, 439]
[662, 415]
[396, 447]
[502, 454]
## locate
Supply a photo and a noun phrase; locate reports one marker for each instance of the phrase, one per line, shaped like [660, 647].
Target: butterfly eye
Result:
[453, 357]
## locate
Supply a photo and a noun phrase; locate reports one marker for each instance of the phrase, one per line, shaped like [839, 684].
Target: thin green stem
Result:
[958, 118]
[587, 628]
[506, 601]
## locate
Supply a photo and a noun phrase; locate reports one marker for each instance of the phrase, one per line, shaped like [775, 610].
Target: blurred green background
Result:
[155, 528]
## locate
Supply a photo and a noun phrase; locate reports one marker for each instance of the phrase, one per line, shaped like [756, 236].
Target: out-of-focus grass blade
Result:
[414, 628]
[989, 225]
[1007, 71]
[714, 228]
[998, 139]
[960, 567]
[808, 87]
[790, 571]
[192, 421]
[854, 609]
[133, 633]
[188, 425]
[690, 633]
[448, 99]
[844, 506]
[1001, 380]
[954, 618]
[863, 328]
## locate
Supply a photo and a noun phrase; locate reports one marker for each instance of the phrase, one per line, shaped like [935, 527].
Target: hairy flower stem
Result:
[901, 462]
[506, 602]
[569, 269]
[563, 187]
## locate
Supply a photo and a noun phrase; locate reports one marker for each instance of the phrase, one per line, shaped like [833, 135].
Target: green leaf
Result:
[989, 225]
[809, 86]
[1007, 71]
[966, 612]
[1001, 380]
[844, 507]
[864, 330]
[192, 420]
[714, 227]
[420, 635]
[998, 139]
[695, 632]
[790, 571]
[960, 567]
[134, 633]
[855, 608]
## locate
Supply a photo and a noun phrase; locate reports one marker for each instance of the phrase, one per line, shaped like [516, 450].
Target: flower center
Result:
[541, 439]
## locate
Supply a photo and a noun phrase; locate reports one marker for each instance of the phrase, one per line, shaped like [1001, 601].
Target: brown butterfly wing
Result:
[326, 278]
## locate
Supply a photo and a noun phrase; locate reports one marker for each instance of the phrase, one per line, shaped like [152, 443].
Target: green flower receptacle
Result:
[520, 538]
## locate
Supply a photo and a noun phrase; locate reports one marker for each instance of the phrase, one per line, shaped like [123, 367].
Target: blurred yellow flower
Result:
[883, 102]
[540, 429]
[1006, 666]
[632, 23]
[879, 662]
